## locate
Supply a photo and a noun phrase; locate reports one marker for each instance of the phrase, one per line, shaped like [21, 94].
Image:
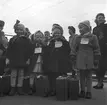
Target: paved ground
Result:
[99, 98]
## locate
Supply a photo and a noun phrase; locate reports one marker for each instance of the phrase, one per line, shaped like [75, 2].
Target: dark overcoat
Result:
[19, 51]
[58, 58]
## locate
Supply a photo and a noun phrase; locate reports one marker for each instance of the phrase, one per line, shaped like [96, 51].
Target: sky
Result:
[41, 14]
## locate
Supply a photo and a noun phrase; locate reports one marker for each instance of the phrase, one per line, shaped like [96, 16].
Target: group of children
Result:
[52, 56]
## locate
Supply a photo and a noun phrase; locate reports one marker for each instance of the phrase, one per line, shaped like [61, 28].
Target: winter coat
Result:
[58, 57]
[19, 51]
[85, 51]
[101, 32]
[35, 55]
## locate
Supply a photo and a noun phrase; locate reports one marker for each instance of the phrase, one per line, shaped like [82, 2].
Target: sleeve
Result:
[74, 47]
[96, 48]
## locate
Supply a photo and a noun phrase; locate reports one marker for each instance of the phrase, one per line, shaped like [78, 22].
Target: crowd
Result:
[52, 55]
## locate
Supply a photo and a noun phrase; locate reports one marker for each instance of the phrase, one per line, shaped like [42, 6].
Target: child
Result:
[17, 56]
[38, 40]
[86, 51]
[58, 57]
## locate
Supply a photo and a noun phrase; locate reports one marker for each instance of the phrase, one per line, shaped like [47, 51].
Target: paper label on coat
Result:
[38, 50]
[84, 41]
[58, 44]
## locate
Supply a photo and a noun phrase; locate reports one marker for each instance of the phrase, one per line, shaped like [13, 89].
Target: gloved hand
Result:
[72, 58]
[96, 63]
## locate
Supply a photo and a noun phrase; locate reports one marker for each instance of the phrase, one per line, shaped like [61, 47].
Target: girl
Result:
[17, 56]
[38, 41]
[58, 57]
[86, 52]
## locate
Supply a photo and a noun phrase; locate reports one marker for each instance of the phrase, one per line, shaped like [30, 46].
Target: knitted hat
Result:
[71, 28]
[20, 26]
[57, 26]
[86, 23]
[2, 23]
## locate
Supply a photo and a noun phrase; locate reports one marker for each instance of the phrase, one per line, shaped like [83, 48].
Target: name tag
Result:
[58, 44]
[38, 50]
[84, 41]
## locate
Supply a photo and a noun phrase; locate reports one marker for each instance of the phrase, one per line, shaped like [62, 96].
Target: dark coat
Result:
[101, 32]
[58, 58]
[85, 53]
[34, 56]
[19, 51]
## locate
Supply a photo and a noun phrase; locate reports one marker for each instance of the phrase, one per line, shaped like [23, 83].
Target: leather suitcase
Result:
[73, 85]
[61, 88]
[5, 84]
[42, 86]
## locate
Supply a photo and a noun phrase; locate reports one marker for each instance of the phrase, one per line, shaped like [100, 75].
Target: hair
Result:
[72, 28]
[99, 14]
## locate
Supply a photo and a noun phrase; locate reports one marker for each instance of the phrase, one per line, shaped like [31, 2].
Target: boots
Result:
[20, 91]
[88, 95]
[12, 91]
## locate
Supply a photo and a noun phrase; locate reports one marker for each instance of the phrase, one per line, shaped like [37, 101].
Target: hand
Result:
[1, 52]
[96, 63]
[28, 61]
[73, 58]
[7, 61]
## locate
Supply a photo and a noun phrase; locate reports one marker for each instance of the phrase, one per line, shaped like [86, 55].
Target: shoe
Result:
[53, 93]
[88, 95]
[2, 95]
[20, 91]
[82, 94]
[98, 87]
[30, 92]
[12, 91]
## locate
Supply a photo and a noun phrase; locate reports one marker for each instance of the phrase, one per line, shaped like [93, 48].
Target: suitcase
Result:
[61, 88]
[26, 85]
[73, 88]
[5, 84]
[42, 86]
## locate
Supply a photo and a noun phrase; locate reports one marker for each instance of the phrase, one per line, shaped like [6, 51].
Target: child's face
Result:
[19, 31]
[56, 32]
[83, 29]
[100, 19]
[38, 36]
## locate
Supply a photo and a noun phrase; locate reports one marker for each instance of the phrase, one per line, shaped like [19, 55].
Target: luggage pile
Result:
[67, 87]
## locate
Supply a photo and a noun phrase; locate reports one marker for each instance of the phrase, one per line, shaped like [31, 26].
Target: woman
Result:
[58, 57]
[101, 32]
[86, 52]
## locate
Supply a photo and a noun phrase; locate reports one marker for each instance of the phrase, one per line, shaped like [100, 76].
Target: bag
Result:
[42, 85]
[26, 85]
[5, 84]
[62, 88]
[73, 88]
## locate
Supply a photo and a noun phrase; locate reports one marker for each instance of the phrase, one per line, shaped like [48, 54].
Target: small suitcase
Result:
[61, 88]
[5, 84]
[73, 89]
[42, 86]
[26, 85]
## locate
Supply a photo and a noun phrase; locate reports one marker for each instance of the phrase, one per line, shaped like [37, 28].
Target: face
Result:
[1, 28]
[70, 32]
[100, 19]
[56, 32]
[47, 35]
[19, 32]
[38, 36]
[83, 29]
